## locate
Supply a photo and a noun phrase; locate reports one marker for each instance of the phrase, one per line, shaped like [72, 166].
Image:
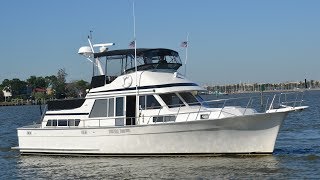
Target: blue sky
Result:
[229, 41]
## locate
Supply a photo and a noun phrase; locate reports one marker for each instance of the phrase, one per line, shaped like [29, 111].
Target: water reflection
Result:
[297, 155]
[151, 167]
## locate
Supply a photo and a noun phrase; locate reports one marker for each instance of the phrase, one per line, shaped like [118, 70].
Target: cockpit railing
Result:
[262, 105]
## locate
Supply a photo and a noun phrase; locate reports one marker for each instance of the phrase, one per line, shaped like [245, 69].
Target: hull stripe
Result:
[66, 114]
[149, 87]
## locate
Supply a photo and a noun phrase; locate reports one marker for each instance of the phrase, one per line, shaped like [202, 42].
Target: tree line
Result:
[48, 87]
[255, 87]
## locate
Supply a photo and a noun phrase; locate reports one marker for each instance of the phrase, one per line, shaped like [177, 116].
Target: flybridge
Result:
[147, 59]
[125, 61]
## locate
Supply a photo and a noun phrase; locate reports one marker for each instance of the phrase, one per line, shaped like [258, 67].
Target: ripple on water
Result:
[296, 155]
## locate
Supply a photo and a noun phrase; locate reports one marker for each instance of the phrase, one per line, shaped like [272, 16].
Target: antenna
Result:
[88, 52]
[135, 58]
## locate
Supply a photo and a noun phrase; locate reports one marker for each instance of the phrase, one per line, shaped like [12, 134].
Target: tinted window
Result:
[149, 102]
[62, 122]
[71, 122]
[119, 107]
[189, 98]
[49, 123]
[54, 123]
[164, 118]
[77, 121]
[152, 103]
[142, 102]
[172, 100]
[99, 108]
[111, 107]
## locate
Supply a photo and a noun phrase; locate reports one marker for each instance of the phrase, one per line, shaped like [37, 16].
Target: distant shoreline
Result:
[28, 103]
[20, 103]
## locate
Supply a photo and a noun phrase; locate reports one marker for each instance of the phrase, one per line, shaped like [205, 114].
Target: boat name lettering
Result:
[119, 131]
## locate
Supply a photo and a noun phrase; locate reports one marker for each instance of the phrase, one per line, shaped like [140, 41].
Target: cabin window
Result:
[189, 98]
[54, 123]
[172, 100]
[164, 118]
[73, 122]
[111, 107]
[49, 123]
[148, 102]
[119, 106]
[62, 122]
[99, 108]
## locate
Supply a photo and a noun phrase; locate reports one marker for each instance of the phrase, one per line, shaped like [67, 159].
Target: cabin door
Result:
[131, 110]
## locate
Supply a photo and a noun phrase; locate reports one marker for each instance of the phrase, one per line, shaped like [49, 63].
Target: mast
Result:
[135, 60]
[97, 61]
[93, 64]
[88, 53]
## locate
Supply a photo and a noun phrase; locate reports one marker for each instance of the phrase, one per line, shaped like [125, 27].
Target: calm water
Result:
[296, 156]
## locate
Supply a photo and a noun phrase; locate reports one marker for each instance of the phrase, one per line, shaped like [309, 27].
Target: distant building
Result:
[49, 89]
[6, 93]
[43, 90]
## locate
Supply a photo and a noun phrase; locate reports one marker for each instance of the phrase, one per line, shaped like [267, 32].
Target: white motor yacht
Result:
[149, 109]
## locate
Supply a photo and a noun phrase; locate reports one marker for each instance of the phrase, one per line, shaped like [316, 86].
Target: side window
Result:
[99, 108]
[54, 123]
[152, 103]
[49, 123]
[63, 122]
[148, 102]
[119, 106]
[172, 100]
[142, 102]
[189, 98]
[77, 122]
[71, 122]
[111, 107]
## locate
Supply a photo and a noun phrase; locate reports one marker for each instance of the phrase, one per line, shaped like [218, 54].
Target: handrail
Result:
[247, 106]
[43, 113]
[271, 104]
[222, 108]
[164, 111]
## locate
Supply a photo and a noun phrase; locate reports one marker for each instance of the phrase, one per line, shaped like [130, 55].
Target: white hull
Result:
[240, 134]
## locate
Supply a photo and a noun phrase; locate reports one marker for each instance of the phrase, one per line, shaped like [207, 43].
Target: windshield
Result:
[171, 100]
[148, 102]
[159, 55]
[189, 98]
[124, 61]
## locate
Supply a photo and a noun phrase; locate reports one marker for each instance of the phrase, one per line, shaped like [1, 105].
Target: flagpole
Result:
[135, 60]
[185, 62]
